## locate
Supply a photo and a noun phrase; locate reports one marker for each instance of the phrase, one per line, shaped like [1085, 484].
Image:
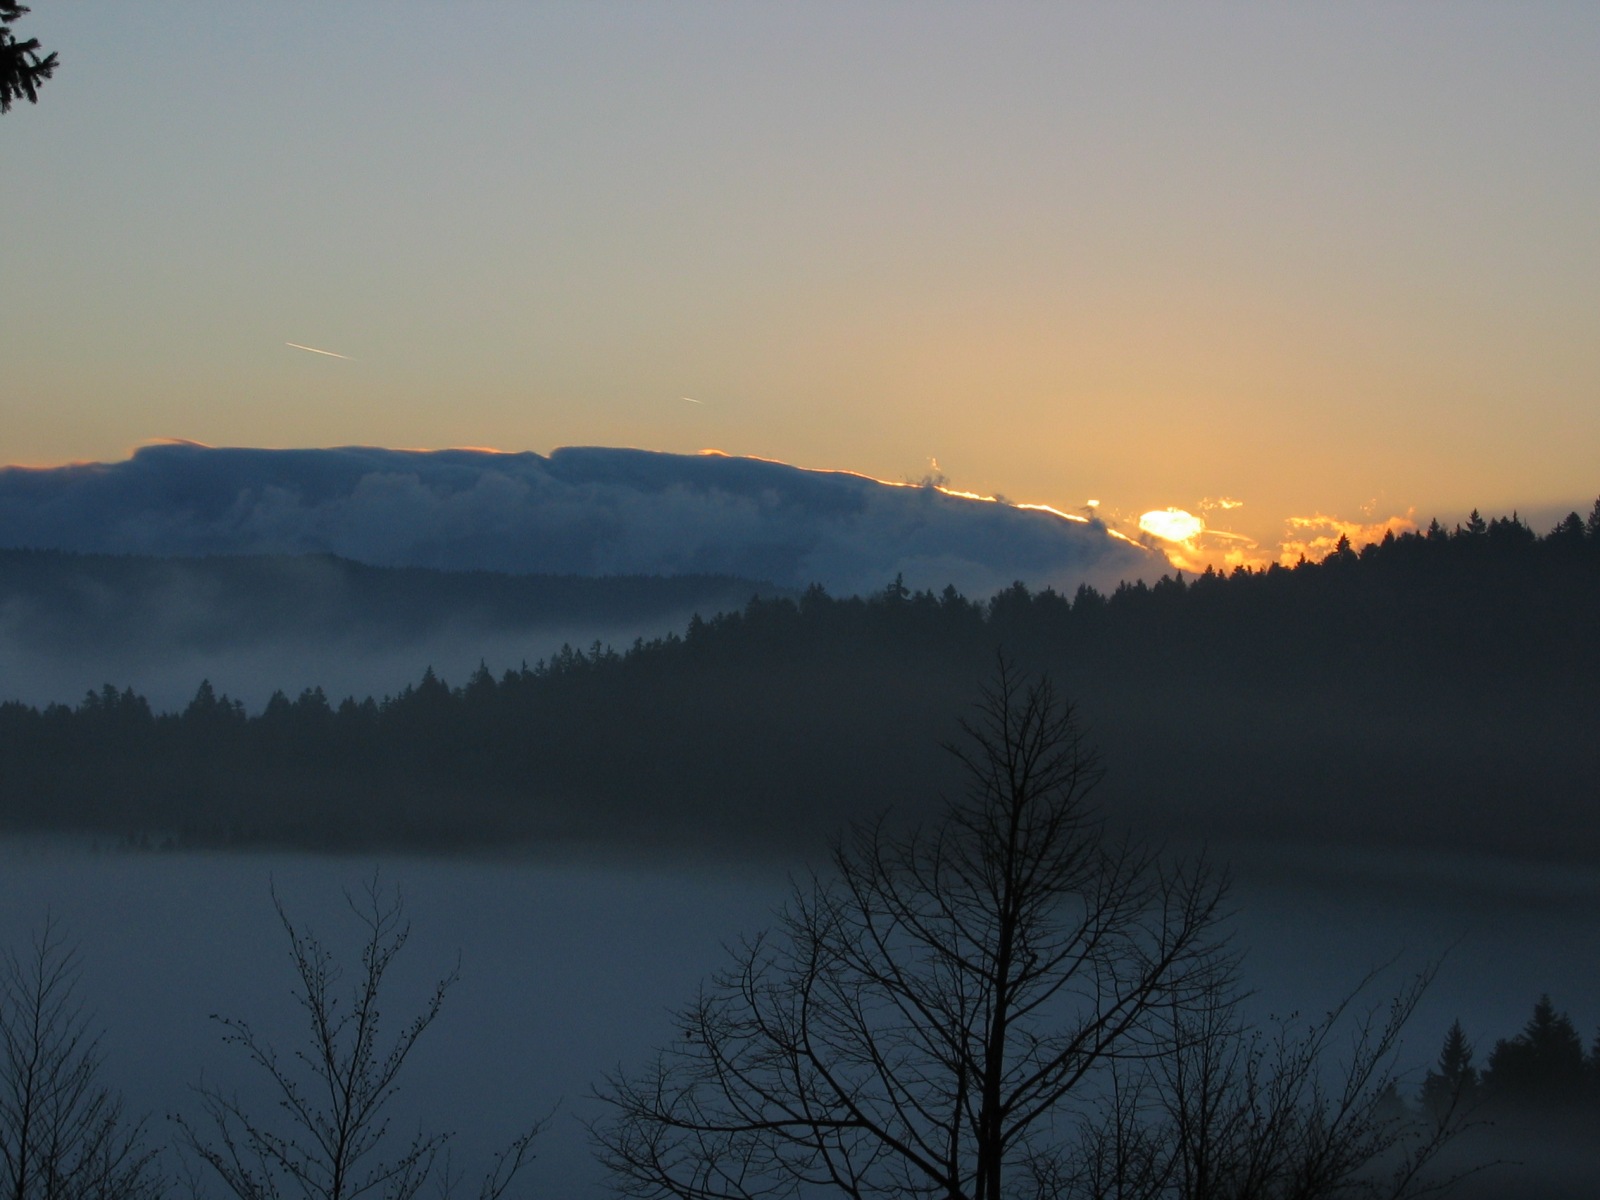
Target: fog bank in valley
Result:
[569, 969]
[255, 624]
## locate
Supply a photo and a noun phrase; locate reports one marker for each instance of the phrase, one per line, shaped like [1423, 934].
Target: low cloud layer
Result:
[256, 624]
[585, 511]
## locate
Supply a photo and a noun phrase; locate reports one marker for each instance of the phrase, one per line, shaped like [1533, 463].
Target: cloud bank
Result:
[579, 510]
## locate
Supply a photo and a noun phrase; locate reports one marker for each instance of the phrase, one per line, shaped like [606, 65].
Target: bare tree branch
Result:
[921, 1014]
[1010, 1003]
[330, 1138]
[63, 1135]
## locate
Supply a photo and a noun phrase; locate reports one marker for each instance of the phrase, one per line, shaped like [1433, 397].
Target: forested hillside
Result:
[1433, 691]
[112, 600]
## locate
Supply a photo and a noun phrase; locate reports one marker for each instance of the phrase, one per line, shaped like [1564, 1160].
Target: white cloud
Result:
[580, 511]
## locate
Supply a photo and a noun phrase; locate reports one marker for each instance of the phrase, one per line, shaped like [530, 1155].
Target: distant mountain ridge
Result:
[254, 623]
[63, 598]
[577, 511]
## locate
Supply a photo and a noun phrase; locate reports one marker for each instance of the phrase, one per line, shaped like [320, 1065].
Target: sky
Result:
[1333, 264]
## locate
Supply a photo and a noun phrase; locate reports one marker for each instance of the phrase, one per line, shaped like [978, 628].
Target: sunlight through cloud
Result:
[1172, 525]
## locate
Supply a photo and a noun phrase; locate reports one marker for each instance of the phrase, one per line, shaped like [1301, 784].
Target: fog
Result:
[569, 968]
[253, 624]
[570, 965]
[166, 671]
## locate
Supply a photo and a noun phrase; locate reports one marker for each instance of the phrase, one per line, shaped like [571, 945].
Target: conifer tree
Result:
[1568, 531]
[1455, 1081]
[21, 68]
[1541, 1065]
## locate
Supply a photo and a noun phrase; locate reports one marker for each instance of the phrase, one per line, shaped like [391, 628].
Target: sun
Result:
[1172, 525]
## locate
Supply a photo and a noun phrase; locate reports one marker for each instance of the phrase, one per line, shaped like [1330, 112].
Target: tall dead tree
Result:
[924, 1013]
[1012, 1002]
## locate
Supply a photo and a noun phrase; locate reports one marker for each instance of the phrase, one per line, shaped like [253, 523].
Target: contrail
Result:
[691, 399]
[314, 350]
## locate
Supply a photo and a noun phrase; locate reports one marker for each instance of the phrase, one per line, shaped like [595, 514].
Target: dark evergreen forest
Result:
[1544, 1071]
[1530, 1106]
[1434, 691]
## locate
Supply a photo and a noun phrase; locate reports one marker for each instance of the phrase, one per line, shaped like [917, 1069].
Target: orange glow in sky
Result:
[1192, 545]
[1077, 264]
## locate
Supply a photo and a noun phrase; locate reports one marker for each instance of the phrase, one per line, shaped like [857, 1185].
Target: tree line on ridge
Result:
[1441, 679]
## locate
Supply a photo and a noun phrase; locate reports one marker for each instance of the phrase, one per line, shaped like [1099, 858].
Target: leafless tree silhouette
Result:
[63, 1134]
[1294, 1110]
[327, 1134]
[1011, 1003]
[922, 1015]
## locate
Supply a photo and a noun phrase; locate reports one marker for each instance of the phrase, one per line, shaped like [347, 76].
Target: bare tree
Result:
[63, 1134]
[1010, 1003]
[924, 1014]
[1295, 1110]
[328, 1135]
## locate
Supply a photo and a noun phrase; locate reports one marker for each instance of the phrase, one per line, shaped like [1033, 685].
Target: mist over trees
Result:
[1016, 982]
[1532, 1103]
[1012, 1000]
[256, 623]
[1428, 691]
[1544, 1070]
[1009, 1002]
[125, 605]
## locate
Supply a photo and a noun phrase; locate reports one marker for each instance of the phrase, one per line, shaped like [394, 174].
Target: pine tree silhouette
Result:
[1542, 1065]
[1455, 1081]
[21, 68]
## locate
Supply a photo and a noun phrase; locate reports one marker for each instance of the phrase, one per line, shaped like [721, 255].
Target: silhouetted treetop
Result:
[1541, 1065]
[1453, 1082]
[1541, 1073]
[21, 68]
